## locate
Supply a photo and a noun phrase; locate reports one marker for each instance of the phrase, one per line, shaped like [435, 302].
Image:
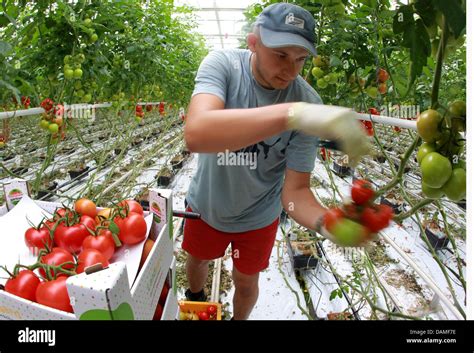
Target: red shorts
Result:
[250, 250]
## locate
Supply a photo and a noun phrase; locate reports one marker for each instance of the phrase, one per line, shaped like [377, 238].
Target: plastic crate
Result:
[185, 306]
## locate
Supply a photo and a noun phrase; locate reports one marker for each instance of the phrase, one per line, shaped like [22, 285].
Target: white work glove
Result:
[333, 123]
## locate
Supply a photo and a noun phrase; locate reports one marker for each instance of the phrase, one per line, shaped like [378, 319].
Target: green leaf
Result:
[454, 13]
[403, 19]
[5, 48]
[333, 294]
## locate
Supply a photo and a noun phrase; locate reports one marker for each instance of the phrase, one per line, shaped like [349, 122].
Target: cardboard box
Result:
[107, 294]
[171, 308]
[14, 190]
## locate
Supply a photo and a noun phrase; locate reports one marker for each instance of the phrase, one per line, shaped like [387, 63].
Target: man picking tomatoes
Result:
[256, 123]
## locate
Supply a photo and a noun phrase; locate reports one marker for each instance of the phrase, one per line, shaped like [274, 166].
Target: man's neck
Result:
[256, 73]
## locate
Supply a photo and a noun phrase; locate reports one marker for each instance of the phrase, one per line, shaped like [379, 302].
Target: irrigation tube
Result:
[423, 275]
[386, 120]
[36, 111]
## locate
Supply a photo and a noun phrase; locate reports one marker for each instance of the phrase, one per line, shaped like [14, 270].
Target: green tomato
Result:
[87, 22]
[372, 92]
[77, 73]
[319, 61]
[317, 72]
[457, 108]
[80, 93]
[348, 232]
[431, 193]
[94, 38]
[423, 150]
[435, 170]
[69, 74]
[80, 58]
[322, 83]
[332, 78]
[53, 128]
[455, 187]
[427, 125]
[87, 98]
[44, 124]
[67, 59]
[78, 85]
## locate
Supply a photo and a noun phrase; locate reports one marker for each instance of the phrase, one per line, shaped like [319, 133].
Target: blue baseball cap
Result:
[287, 25]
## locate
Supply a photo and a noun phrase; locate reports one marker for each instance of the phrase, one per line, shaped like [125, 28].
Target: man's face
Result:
[277, 67]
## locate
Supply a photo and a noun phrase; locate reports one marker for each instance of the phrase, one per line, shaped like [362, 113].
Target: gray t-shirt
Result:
[238, 191]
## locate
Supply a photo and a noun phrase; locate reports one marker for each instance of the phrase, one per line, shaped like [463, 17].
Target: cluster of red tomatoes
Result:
[442, 170]
[358, 222]
[52, 119]
[71, 241]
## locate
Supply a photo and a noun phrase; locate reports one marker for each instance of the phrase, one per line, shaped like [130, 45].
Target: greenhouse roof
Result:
[219, 21]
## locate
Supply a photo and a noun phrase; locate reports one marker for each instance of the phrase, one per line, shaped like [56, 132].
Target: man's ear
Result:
[252, 40]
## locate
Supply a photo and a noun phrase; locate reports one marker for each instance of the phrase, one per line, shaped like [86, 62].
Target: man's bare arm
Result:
[210, 128]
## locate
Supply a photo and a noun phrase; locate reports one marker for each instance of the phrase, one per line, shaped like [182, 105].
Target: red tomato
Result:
[132, 228]
[47, 104]
[361, 192]
[132, 205]
[332, 216]
[374, 111]
[89, 257]
[212, 311]
[57, 257]
[149, 107]
[54, 294]
[382, 75]
[203, 315]
[377, 217]
[103, 242]
[164, 293]
[88, 222]
[63, 213]
[36, 239]
[85, 207]
[70, 238]
[397, 129]
[158, 312]
[325, 154]
[23, 285]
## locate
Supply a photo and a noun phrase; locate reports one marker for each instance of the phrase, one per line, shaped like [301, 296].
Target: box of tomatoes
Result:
[58, 263]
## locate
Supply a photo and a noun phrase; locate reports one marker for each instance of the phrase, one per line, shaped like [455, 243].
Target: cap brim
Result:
[273, 39]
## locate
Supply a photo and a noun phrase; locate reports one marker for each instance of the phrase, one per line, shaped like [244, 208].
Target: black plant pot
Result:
[341, 170]
[437, 241]
[462, 204]
[177, 163]
[397, 207]
[78, 173]
[19, 170]
[43, 193]
[145, 205]
[380, 159]
[405, 170]
[117, 151]
[300, 261]
[164, 180]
